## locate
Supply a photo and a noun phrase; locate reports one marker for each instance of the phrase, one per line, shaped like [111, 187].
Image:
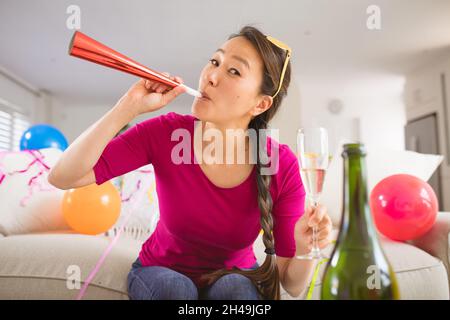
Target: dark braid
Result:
[271, 285]
[266, 278]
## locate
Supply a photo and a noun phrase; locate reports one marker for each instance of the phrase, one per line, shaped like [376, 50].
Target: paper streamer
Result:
[314, 279]
[109, 248]
[315, 275]
[38, 160]
[138, 186]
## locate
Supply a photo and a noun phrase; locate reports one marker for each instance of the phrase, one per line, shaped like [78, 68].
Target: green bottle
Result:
[358, 268]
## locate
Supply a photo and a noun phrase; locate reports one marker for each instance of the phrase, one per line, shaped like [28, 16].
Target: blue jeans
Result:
[161, 283]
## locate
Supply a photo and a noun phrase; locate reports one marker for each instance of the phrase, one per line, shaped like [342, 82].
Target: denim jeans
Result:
[161, 283]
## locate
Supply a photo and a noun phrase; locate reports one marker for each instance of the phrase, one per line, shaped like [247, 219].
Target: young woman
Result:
[210, 212]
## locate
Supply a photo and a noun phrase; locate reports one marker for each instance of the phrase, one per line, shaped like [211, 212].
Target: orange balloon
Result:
[92, 209]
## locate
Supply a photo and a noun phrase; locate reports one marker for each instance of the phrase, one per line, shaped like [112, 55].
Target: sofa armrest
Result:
[436, 241]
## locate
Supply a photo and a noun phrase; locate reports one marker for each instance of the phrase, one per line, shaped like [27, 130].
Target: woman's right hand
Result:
[147, 96]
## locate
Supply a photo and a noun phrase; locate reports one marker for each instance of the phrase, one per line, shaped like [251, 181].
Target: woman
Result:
[210, 213]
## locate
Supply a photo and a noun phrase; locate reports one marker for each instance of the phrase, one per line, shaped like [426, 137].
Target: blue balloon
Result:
[42, 136]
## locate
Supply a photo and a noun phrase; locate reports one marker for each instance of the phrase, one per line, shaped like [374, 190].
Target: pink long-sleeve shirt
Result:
[203, 227]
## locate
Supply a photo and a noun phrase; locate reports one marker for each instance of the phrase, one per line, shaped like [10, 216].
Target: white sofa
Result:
[38, 265]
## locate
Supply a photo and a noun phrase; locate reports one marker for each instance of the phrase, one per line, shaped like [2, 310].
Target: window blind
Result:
[12, 126]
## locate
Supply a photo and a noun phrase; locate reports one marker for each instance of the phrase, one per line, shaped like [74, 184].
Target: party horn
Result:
[84, 47]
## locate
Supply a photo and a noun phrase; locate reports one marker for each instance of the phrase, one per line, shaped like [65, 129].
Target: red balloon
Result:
[404, 207]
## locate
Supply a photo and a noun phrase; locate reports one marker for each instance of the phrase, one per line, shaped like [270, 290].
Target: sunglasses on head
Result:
[288, 50]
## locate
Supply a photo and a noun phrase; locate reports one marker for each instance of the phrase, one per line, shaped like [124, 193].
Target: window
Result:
[13, 123]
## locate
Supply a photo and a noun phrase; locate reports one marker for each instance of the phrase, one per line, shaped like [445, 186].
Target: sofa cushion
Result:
[419, 275]
[30, 263]
[28, 203]
[437, 241]
[145, 215]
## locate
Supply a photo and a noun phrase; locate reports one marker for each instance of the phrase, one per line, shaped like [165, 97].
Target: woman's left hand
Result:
[313, 216]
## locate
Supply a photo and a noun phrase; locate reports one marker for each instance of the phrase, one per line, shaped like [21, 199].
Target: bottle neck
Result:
[357, 225]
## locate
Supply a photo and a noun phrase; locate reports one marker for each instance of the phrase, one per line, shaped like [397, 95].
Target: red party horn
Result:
[84, 47]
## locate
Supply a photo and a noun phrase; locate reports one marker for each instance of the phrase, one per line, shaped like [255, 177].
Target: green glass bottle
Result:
[358, 268]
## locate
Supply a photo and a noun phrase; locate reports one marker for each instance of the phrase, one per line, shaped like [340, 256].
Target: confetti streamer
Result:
[110, 247]
[315, 275]
[138, 186]
[314, 279]
[34, 182]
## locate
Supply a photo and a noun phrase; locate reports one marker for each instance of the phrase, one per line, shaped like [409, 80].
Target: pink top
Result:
[202, 227]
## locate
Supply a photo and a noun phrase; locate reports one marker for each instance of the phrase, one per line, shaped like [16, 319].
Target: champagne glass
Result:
[313, 155]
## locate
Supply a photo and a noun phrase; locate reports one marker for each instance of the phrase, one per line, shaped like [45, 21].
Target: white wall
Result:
[74, 117]
[26, 100]
[288, 118]
[373, 110]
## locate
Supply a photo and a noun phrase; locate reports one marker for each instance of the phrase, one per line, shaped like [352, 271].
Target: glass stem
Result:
[315, 247]
[315, 244]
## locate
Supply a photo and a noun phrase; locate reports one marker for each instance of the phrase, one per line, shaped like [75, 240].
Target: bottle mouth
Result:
[354, 149]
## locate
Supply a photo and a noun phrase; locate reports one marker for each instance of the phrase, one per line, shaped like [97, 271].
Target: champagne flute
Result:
[313, 155]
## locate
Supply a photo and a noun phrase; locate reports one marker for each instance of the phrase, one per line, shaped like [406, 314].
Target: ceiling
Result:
[329, 39]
